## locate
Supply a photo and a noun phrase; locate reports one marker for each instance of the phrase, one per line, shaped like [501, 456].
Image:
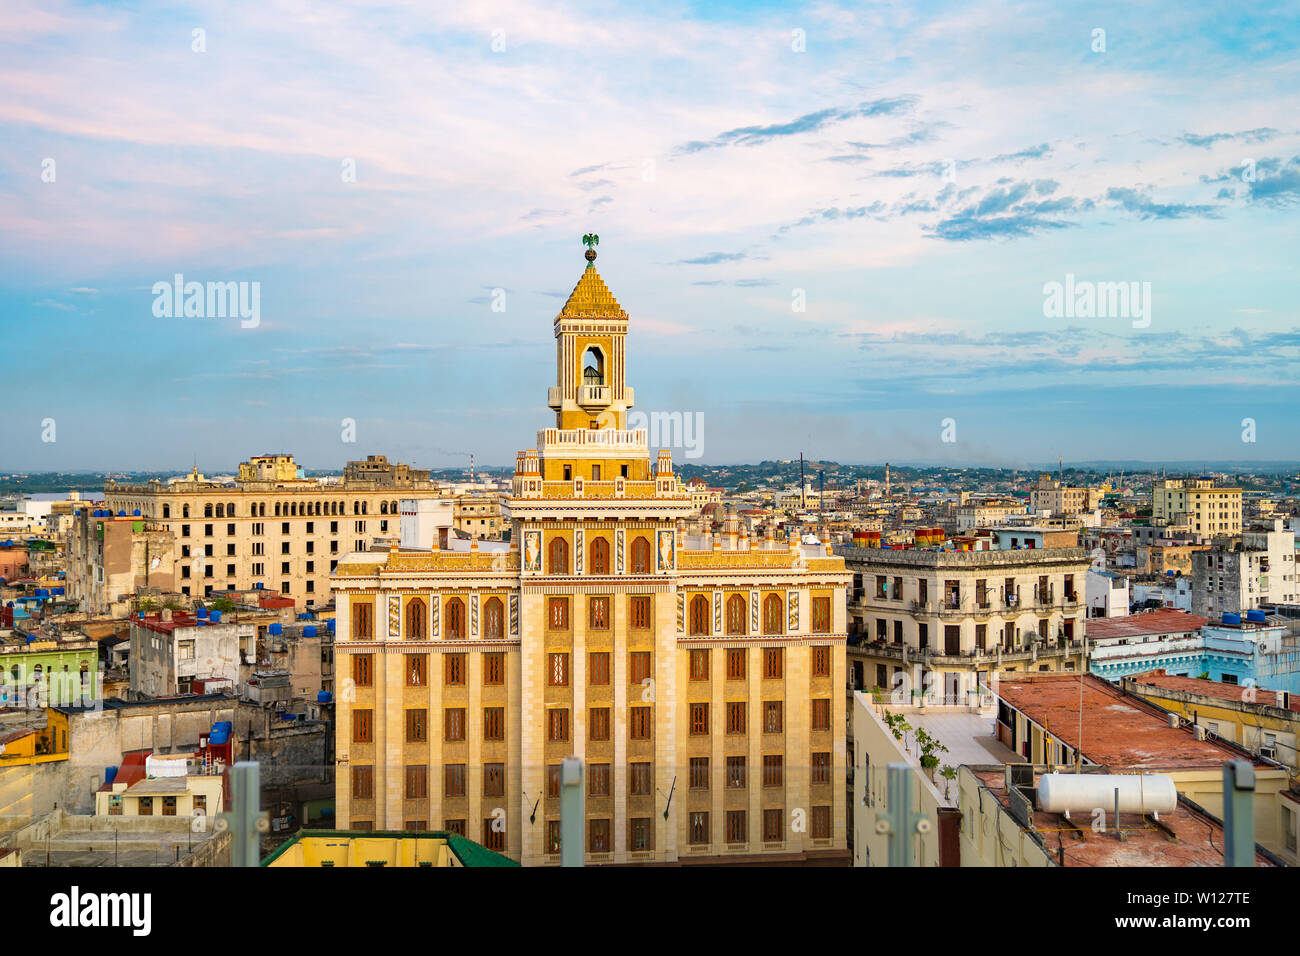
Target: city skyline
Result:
[918, 202]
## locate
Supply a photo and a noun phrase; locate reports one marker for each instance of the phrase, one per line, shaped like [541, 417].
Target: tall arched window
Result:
[383, 507]
[392, 507]
[700, 614]
[736, 615]
[185, 511]
[640, 556]
[230, 509]
[773, 614]
[599, 561]
[207, 510]
[494, 619]
[417, 617]
[277, 509]
[593, 367]
[221, 510]
[455, 619]
[557, 557]
[167, 511]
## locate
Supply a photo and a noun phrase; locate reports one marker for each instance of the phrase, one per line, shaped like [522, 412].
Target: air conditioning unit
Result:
[1268, 753]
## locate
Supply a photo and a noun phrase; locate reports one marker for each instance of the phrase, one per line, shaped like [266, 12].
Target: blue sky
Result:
[916, 173]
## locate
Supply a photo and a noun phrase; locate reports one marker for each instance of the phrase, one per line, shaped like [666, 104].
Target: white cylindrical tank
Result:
[1084, 792]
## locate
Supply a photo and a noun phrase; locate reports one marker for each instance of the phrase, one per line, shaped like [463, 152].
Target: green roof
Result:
[466, 851]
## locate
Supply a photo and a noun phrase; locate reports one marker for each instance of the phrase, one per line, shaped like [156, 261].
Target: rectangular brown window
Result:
[638, 779]
[736, 664]
[773, 663]
[598, 722]
[363, 621]
[735, 776]
[557, 670]
[821, 714]
[361, 669]
[598, 836]
[454, 826]
[598, 780]
[417, 725]
[772, 821]
[417, 782]
[553, 780]
[494, 723]
[821, 767]
[821, 823]
[640, 834]
[552, 836]
[454, 780]
[453, 723]
[363, 783]
[454, 669]
[639, 610]
[699, 773]
[821, 615]
[821, 662]
[494, 779]
[638, 667]
[494, 668]
[598, 667]
[599, 613]
[362, 726]
[773, 770]
[737, 826]
[639, 723]
[494, 835]
[699, 665]
[557, 724]
[557, 616]
[773, 716]
[415, 826]
[416, 670]
[736, 717]
[699, 719]
[699, 827]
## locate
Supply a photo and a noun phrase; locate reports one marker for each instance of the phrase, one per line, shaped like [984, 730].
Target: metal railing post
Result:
[572, 811]
[1238, 813]
[900, 822]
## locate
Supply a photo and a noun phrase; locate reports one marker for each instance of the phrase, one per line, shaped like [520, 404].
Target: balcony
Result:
[595, 396]
[974, 657]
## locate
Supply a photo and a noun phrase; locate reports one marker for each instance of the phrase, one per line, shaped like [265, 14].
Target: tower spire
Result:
[591, 241]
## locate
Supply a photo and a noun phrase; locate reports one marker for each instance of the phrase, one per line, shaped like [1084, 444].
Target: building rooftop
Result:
[1119, 731]
[1141, 625]
[1211, 688]
[1186, 837]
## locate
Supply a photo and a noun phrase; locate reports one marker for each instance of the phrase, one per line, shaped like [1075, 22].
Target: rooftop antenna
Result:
[803, 499]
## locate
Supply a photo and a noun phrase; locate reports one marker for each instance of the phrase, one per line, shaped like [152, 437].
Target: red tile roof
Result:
[1119, 731]
[1139, 625]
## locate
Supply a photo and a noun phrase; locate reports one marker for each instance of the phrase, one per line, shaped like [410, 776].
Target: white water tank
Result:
[1084, 792]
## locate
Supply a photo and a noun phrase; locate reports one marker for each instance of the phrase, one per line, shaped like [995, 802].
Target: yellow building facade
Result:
[701, 678]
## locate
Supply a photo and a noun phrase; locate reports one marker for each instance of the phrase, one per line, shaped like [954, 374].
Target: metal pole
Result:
[572, 811]
[1238, 813]
[246, 805]
[900, 822]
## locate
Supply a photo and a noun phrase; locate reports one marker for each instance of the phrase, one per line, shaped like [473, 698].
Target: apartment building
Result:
[1257, 569]
[171, 651]
[701, 678]
[1061, 500]
[938, 623]
[1197, 504]
[270, 527]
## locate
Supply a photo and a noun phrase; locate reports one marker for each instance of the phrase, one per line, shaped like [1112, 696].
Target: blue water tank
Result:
[324, 697]
[202, 612]
[110, 774]
[309, 630]
[121, 513]
[42, 592]
[329, 624]
[136, 513]
[59, 590]
[276, 628]
[1231, 620]
[258, 585]
[305, 616]
[1258, 617]
[215, 617]
[220, 733]
[1170, 573]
